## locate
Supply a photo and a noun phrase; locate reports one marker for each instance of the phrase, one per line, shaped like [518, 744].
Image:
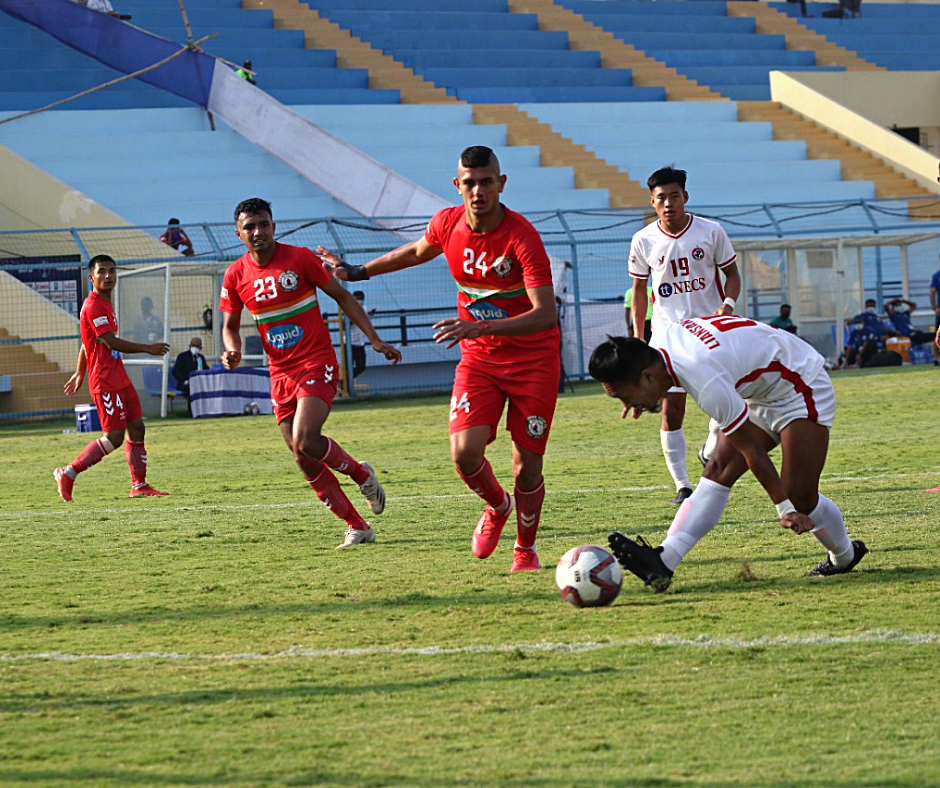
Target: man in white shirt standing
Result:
[764, 387]
[680, 256]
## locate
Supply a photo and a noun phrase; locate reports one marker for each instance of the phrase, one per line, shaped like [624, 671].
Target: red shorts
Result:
[481, 390]
[318, 380]
[117, 408]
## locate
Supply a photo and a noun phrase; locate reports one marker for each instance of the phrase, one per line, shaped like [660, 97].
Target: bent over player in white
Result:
[680, 256]
[763, 387]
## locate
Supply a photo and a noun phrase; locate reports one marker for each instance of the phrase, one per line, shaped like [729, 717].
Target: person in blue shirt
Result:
[935, 305]
[899, 313]
[863, 342]
[874, 322]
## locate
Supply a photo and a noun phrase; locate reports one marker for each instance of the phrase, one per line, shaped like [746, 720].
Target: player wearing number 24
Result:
[764, 387]
[507, 327]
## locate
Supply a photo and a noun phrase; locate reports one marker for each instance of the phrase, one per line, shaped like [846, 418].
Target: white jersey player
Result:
[764, 387]
[680, 257]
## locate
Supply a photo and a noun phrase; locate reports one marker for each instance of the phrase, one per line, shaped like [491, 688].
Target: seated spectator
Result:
[874, 322]
[246, 73]
[104, 6]
[899, 313]
[148, 328]
[783, 321]
[187, 362]
[863, 343]
[176, 237]
[850, 8]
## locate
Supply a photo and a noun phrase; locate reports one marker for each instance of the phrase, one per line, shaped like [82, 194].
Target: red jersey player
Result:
[278, 285]
[114, 395]
[507, 325]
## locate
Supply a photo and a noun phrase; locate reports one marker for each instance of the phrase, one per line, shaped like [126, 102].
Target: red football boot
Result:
[489, 528]
[524, 559]
[146, 490]
[65, 483]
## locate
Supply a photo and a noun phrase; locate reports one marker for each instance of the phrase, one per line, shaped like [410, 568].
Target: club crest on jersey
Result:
[502, 267]
[288, 281]
[284, 336]
[535, 426]
[484, 310]
[698, 253]
[665, 290]
[223, 293]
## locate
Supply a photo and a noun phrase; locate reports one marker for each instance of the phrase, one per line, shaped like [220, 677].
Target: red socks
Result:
[528, 514]
[337, 458]
[484, 483]
[136, 456]
[327, 488]
[92, 454]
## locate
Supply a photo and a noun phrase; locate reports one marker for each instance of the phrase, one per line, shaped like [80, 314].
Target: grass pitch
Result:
[216, 638]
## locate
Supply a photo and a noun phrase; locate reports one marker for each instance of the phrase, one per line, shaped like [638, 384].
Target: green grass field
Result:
[216, 638]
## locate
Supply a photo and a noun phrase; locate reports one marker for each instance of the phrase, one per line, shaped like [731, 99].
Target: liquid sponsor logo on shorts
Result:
[483, 310]
[284, 336]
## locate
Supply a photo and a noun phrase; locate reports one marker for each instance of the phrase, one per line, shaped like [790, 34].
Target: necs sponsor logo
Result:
[284, 336]
[667, 289]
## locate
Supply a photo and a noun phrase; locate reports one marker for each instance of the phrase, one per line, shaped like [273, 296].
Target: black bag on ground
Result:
[884, 358]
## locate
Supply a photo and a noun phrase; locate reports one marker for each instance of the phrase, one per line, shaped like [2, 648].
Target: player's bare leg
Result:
[302, 434]
[467, 450]
[529, 493]
[135, 452]
[673, 442]
[804, 445]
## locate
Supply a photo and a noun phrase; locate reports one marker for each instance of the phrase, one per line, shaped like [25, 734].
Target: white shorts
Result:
[817, 403]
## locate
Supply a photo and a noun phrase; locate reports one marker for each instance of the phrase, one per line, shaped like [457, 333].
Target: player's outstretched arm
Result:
[231, 340]
[413, 253]
[639, 301]
[74, 383]
[115, 342]
[542, 315]
[358, 315]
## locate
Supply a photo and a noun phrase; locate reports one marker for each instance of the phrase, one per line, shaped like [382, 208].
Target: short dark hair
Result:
[99, 258]
[174, 220]
[359, 294]
[786, 306]
[477, 156]
[871, 301]
[621, 360]
[253, 205]
[666, 175]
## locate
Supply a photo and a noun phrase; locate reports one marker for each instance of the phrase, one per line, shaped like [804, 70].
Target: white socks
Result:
[712, 440]
[674, 451]
[699, 513]
[830, 531]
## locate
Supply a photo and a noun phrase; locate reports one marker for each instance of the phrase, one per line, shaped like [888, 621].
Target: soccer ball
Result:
[588, 576]
[252, 409]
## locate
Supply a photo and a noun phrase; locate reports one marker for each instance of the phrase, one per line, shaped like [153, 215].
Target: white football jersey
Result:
[728, 361]
[682, 269]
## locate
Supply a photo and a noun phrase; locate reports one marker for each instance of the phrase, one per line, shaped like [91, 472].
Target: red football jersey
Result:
[105, 368]
[282, 298]
[492, 272]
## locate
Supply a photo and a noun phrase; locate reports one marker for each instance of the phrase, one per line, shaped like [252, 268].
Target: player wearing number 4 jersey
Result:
[115, 398]
[507, 327]
[763, 387]
[278, 284]
[680, 257]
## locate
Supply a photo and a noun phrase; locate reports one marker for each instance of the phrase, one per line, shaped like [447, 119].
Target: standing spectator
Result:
[899, 313]
[732, 368]
[507, 327]
[783, 321]
[148, 327]
[114, 395]
[189, 361]
[648, 323]
[176, 236]
[357, 339]
[246, 73]
[278, 285]
[680, 254]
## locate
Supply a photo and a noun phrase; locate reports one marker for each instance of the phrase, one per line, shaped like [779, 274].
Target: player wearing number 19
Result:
[507, 327]
[278, 285]
[763, 387]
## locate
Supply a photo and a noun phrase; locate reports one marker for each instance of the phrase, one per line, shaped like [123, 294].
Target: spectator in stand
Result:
[176, 237]
[104, 6]
[783, 321]
[899, 313]
[357, 339]
[148, 328]
[247, 73]
[863, 343]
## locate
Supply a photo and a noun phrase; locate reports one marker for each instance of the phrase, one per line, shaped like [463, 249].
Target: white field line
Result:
[66, 511]
[658, 641]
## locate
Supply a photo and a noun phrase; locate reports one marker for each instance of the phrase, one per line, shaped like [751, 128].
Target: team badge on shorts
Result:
[698, 253]
[502, 267]
[535, 426]
[288, 281]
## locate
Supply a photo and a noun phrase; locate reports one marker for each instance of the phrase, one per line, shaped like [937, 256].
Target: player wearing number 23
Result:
[764, 387]
[507, 327]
